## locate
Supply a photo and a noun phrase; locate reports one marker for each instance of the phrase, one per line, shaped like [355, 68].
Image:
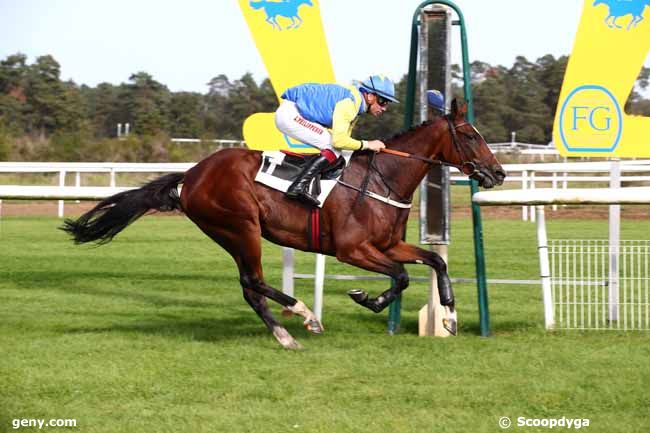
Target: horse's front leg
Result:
[366, 256]
[407, 253]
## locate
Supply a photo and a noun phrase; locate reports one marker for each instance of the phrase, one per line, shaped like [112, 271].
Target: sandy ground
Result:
[72, 209]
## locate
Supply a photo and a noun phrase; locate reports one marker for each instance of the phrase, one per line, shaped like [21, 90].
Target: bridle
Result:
[467, 167]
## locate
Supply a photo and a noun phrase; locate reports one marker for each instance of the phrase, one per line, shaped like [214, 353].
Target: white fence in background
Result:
[112, 169]
[584, 298]
[527, 176]
[573, 280]
[562, 175]
[221, 144]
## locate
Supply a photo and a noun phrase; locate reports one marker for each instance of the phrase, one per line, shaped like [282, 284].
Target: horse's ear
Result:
[454, 108]
[462, 111]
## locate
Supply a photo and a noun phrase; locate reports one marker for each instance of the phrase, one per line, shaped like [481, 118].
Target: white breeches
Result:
[289, 121]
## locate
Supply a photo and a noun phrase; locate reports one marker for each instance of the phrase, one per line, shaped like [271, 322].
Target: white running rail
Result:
[579, 289]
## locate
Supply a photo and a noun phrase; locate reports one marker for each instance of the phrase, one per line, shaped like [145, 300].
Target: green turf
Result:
[151, 334]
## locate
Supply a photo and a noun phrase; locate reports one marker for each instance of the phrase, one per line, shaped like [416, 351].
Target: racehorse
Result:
[621, 8]
[287, 8]
[221, 197]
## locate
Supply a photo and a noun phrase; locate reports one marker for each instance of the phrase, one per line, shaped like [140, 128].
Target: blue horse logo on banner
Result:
[285, 8]
[621, 8]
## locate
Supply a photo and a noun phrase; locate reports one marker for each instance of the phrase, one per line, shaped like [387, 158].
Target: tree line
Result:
[43, 117]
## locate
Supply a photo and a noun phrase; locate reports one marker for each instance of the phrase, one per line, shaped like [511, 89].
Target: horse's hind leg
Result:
[295, 306]
[258, 303]
[243, 241]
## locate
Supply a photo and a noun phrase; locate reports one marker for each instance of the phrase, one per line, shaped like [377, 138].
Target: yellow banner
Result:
[611, 46]
[290, 37]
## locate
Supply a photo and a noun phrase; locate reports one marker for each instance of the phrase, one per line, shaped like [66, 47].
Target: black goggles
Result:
[382, 101]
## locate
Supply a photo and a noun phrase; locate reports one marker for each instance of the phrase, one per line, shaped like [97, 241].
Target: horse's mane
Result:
[409, 131]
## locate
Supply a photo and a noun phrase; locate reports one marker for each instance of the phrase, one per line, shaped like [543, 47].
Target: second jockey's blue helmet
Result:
[381, 85]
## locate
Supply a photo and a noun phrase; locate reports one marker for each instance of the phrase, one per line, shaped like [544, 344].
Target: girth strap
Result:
[314, 230]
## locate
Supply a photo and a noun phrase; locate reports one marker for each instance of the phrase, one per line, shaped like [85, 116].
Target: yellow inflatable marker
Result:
[289, 35]
[611, 46]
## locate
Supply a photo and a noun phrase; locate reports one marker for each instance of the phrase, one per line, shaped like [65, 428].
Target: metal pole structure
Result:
[544, 268]
[481, 280]
[614, 242]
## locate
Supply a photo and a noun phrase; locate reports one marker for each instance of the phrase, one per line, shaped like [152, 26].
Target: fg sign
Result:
[611, 46]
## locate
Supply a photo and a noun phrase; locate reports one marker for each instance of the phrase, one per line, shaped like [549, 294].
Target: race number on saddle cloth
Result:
[323, 116]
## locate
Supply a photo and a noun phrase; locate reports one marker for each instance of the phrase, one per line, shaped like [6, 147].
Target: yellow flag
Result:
[611, 45]
[290, 37]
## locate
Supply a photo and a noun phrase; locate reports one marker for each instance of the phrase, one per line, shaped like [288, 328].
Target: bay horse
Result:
[221, 197]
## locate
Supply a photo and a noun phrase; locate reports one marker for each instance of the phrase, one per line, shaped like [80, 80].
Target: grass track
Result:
[151, 334]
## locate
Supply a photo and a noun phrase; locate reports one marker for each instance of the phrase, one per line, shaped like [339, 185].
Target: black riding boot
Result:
[299, 189]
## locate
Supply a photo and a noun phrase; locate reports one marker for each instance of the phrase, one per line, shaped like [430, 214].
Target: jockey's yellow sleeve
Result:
[343, 120]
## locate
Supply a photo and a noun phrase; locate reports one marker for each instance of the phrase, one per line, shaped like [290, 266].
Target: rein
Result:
[467, 167]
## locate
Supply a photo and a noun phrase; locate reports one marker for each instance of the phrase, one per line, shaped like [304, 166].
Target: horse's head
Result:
[467, 149]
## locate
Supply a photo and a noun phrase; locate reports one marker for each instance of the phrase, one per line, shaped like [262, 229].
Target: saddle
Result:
[280, 168]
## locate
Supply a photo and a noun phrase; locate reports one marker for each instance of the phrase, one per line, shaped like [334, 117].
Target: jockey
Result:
[323, 115]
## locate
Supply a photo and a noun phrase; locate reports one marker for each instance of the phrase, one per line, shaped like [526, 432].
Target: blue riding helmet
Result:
[436, 100]
[381, 85]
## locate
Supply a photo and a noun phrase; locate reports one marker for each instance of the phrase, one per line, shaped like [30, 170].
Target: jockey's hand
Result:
[376, 145]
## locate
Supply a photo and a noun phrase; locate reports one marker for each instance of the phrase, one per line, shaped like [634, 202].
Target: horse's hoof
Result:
[358, 296]
[286, 312]
[294, 345]
[450, 322]
[314, 326]
[450, 325]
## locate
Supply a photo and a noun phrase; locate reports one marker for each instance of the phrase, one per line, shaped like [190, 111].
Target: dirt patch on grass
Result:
[50, 208]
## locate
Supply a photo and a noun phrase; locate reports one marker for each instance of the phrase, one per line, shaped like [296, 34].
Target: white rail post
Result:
[565, 181]
[544, 269]
[287, 271]
[77, 182]
[61, 184]
[532, 186]
[524, 185]
[112, 181]
[554, 186]
[318, 285]
[614, 241]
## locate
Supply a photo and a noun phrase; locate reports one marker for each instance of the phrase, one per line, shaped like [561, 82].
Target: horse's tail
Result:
[257, 4]
[115, 213]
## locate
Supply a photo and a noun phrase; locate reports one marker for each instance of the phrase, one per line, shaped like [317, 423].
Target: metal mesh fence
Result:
[585, 296]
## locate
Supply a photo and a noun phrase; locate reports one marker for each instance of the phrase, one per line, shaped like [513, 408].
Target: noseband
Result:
[467, 167]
